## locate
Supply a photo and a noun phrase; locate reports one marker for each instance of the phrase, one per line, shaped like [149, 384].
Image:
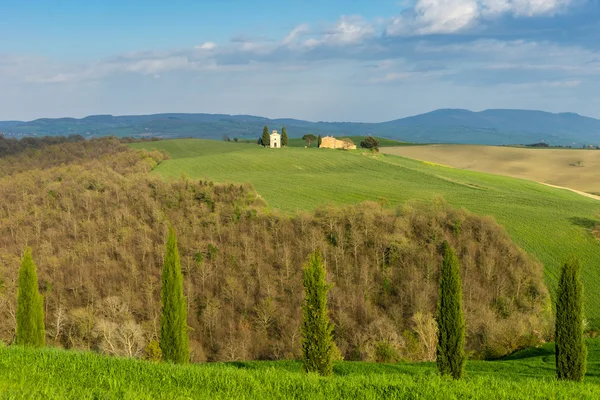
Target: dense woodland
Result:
[11, 146]
[97, 223]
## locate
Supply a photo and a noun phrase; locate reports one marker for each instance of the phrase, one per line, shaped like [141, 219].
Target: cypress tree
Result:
[30, 305]
[265, 138]
[174, 341]
[319, 141]
[451, 321]
[284, 137]
[317, 330]
[571, 351]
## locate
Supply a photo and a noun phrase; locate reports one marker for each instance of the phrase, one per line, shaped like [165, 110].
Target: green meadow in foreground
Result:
[59, 374]
[546, 222]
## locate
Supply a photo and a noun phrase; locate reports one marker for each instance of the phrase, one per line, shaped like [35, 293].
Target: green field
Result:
[546, 222]
[189, 147]
[59, 374]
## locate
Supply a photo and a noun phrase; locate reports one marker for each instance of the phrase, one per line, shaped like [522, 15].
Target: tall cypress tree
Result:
[317, 330]
[30, 305]
[174, 341]
[284, 137]
[265, 138]
[451, 321]
[319, 141]
[571, 351]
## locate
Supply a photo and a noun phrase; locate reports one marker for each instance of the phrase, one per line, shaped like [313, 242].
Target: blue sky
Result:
[334, 60]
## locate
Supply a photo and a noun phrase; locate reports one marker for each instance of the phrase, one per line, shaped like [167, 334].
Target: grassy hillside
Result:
[576, 169]
[546, 222]
[183, 148]
[57, 374]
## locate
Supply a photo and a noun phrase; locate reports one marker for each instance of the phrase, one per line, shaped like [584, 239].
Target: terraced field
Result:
[548, 223]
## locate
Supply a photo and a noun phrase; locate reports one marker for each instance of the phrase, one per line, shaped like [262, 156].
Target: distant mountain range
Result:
[439, 126]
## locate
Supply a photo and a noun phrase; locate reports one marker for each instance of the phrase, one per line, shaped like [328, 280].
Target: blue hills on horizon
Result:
[493, 126]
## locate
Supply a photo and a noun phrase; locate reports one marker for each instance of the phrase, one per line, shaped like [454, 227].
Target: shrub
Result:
[152, 351]
[370, 143]
[385, 352]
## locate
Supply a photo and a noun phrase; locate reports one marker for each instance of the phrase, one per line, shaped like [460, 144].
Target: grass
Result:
[572, 168]
[182, 148]
[59, 374]
[546, 222]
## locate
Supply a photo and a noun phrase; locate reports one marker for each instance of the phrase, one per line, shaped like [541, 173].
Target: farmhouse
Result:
[275, 140]
[329, 142]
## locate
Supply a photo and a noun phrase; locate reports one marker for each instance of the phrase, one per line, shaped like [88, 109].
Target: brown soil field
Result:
[578, 170]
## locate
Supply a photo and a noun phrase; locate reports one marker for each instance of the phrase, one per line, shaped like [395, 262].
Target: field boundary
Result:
[591, 196]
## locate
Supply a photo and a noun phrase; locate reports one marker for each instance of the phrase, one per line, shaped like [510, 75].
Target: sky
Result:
[326, 60]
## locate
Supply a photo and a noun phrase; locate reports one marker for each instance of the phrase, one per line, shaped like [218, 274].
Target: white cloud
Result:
[414, 61]
[138, 63]
[355, 40]
[206, 46]
[445, 16]
[394, 71]
[530, 8]
[154, 66]
[525, 53]
[350, 29]
[347, 31]
[493, 8]
[255, 47]
[451, 16]
[58, 78]
[295, 33]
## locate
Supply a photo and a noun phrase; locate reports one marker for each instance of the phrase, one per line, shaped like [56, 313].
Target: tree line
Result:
[11, 146]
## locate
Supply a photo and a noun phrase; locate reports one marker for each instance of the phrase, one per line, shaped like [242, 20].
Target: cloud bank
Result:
[492, 51]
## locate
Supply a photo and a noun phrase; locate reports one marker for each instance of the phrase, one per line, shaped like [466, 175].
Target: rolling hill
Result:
[440, 126]
[576, 169]
[546, 222]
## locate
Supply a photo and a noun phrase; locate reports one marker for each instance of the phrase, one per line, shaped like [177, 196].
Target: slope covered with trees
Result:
[11, 146]
[98, 226]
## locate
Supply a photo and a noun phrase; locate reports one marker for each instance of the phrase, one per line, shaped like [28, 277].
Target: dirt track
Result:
[591, 196]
